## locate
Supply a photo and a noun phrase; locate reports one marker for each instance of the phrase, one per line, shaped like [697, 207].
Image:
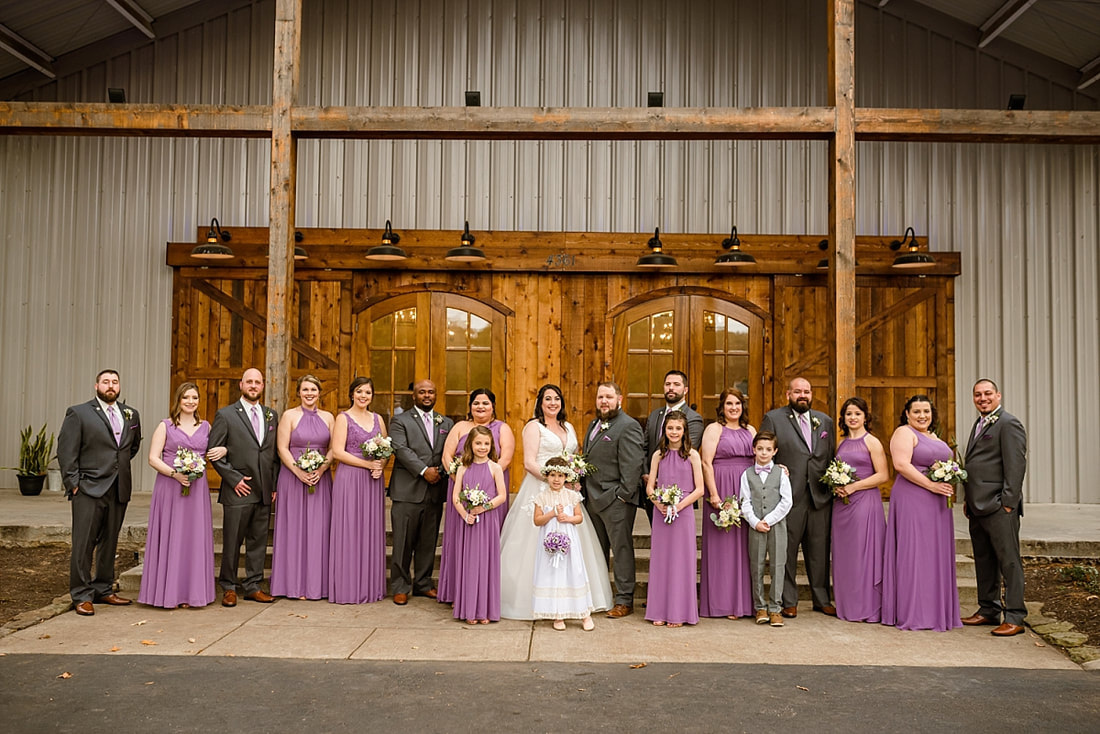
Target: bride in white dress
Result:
[546, 435]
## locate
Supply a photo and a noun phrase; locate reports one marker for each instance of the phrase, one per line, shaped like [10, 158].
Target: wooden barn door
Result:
[717, 343]
[457, 342]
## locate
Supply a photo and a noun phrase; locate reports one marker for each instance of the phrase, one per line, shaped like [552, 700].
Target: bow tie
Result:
[766, 469]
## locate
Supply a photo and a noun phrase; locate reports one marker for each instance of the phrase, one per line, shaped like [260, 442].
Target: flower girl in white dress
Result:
[561, 588]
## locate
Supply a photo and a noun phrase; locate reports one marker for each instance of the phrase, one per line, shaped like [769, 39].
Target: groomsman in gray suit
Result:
[249, 470]
[614, 444]
[97, 441]
[676, 389]
[996, 460]
[418, 489]
[807, 443]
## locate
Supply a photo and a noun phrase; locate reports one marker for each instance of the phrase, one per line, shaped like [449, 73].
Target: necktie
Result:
[595, 430]
[804, 422]
[981, 426]
[766, 469]
[116, 424]
[256, 424]
[428, 429]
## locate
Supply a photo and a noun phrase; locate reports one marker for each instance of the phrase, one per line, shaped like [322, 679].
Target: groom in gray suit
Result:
[249, 470]
[996, 460]
[614, 444]
[806, 443]
[418, 489]
[94, 448]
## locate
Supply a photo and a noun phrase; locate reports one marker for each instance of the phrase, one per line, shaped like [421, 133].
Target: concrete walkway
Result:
[424, 630]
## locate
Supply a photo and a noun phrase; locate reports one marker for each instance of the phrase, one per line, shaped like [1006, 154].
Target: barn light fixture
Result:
[388, 250]
[213, 249]
[466, 252]
[656, 258]
[734, 257]
[912, 257]
[299, 251]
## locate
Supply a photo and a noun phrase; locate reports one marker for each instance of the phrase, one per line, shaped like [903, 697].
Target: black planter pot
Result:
[30, 485]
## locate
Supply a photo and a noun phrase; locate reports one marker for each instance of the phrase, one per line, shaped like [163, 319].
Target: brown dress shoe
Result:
[430, 593]
[620, 610]
[261, 596]
[790, 612]
[229, 598]
[84, 608]
[828, 610]
[400, 599]
[114, 600]
[977, 619]
[1008, 630]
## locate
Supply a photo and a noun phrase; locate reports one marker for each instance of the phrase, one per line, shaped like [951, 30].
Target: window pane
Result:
[707, 410]
[456, 328]
[405, 327]
[382, 332]
[661, 364]
[712, 374]
[455, 407]
[481, 369]
[637, 335]
[637, 407]
[637, 376]
[737, 372]
[380, 370]
[481, 333]
[714, 326]
[381, 405]
[456, 371]
[404, 370]
[662, 333]
[737, 339]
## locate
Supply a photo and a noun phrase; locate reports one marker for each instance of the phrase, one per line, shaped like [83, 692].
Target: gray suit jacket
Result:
[996, 460]
[88, 455]
[245, 457]
[412, 453]
[656, 420]
[618, 453]
[805, 466]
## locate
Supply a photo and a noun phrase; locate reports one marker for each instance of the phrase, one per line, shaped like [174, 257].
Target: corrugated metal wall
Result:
[85, 220]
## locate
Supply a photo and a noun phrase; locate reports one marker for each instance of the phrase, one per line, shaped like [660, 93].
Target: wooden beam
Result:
[565, 123]
[978, 126]
[134, 13]
[210, 121]
[1005, 16]
[26, 51]
[842, 201]
[284, 161]
[1090, 72]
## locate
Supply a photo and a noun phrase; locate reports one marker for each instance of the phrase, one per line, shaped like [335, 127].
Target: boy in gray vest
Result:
[765, 502]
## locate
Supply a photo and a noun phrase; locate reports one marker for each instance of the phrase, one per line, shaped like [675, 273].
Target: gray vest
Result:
[763, 495]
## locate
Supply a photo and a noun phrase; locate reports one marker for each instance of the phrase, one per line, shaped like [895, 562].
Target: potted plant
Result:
[35, 454]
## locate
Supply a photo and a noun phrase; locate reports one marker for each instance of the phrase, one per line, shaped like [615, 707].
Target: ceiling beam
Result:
[1090, 72]
[185, 121]
[134, 13]
[977, 126]
[1002, 19]
[26, 51]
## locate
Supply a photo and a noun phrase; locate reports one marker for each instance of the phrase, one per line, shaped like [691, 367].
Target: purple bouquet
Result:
[556, 545]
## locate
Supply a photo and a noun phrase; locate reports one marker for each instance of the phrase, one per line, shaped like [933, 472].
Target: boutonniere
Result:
[816, 423]
[992, 419]
[128, 413]
[604, 425]
[270, 415]
[438, 419]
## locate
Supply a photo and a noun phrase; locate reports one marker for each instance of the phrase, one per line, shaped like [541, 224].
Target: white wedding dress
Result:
[520, 540]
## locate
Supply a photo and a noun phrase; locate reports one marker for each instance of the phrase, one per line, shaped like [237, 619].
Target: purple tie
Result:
[766, 469]
[116, 425]
[256, 424]
[595, 430]
[428, 429]
[804, 423]
[981, 426]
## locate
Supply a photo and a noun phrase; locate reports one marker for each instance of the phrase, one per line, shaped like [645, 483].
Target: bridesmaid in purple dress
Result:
[477, 577]
[919, 590]
[725, 586]
[179, 546]
[671, 598]
[303, 499]
[859, 527]
[482, 412]
[357, 547]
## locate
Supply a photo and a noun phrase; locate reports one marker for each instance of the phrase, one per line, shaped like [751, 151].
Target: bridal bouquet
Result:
[377, 448]
[669, 496]
[728, 515]
[556, 545]
[581, 467]
[949, 471]
[310, 461]
[839, 474]
[475, 497]
[190, 464]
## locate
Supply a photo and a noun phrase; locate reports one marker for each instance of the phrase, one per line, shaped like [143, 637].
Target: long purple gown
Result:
[671, 595]
[447, 556]
[919, 590]
[357, 548]
[725, 586]
[179, 546]
[477, 570]
[299, 553]
[859, 530]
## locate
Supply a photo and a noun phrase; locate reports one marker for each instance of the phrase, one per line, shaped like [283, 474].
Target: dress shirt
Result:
[780, 511]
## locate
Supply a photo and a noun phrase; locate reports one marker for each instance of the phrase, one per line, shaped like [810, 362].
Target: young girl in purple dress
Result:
[477, 591]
